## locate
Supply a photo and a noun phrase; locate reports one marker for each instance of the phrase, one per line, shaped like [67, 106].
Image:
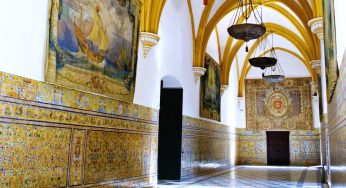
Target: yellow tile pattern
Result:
[31, 90]
[113, 155]
[77, 156]
[51, 136]
[32, 156]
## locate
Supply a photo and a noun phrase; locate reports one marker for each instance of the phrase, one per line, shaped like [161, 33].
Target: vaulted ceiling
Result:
[294, 42]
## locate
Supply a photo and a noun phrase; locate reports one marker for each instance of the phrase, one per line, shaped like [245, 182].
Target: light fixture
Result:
[265, 61]
[246, 31]
[273, 74]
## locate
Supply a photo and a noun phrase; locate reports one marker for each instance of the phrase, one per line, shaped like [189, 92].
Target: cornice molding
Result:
[149, 40]
[198, 72]
[316, 25]
[316, 66]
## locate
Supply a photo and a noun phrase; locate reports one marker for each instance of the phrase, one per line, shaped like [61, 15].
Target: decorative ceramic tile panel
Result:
[77, 157]
[112, 155]
[149, 154]
[252, 147]
[305, 148]
[337, 130]
[206, 147]
[30, 90]
[36, 112]
[32, 156]
[52, 136]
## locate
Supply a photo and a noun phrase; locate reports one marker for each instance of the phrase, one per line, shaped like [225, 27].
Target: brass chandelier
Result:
[246, 31]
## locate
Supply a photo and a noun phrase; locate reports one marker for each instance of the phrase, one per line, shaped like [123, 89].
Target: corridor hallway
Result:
[255, 176]
[123, 93]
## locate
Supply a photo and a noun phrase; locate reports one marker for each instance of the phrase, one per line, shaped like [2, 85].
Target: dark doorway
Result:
[170, 134]
[278, 149]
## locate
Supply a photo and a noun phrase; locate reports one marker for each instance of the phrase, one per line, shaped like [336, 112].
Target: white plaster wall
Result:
[340, 16]
[230, 111]
[148, 79]
[197, 10]
[241, 121]
[23, 26]
[172, 56]
[212, 47]
[216, 6]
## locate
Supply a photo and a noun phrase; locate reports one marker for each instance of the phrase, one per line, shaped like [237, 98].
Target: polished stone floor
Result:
[255, 176]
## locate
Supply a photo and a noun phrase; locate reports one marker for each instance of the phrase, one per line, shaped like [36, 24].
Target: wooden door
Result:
[278, 150]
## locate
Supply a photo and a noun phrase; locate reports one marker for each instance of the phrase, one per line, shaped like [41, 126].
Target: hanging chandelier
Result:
[246, 31]
[273, 74]
[265, 61]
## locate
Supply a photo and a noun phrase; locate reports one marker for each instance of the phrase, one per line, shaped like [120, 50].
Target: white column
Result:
[316, 25]
[315, 106]
[316, 65]
[241, 103]
[323, 80]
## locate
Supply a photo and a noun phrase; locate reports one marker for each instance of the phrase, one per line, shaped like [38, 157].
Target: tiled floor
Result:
[255, 176]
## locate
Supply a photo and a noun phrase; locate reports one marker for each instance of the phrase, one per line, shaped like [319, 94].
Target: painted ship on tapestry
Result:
[93, 46]
[210, 90]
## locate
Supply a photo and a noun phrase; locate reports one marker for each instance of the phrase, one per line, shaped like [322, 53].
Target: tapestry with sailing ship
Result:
[93, 44]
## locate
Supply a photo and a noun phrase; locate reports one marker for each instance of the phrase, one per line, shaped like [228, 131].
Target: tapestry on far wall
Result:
[283, 106]
[92, 46]
[210, 90]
